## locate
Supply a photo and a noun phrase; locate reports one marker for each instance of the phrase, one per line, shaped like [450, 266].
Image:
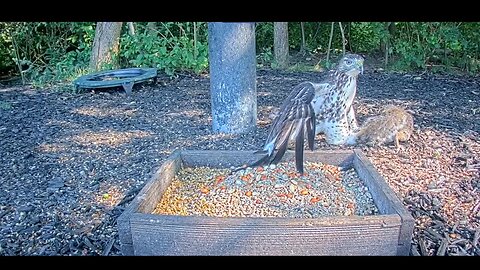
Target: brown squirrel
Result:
[394, 124]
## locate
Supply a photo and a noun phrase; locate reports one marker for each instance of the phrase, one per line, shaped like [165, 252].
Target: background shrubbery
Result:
[50, 52]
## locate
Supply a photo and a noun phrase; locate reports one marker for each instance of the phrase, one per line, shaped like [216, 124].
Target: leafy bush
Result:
[366, 36]
[316, 35]
[264, 36]
[7, 64]
[443, 45]
[170, 48]
[413, 45]
[52, 52]
[48, 52]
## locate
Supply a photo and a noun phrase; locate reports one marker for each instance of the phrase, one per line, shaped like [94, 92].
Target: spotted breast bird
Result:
[313, 108]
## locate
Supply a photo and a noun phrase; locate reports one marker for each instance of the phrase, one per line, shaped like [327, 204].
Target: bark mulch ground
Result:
[71, 163]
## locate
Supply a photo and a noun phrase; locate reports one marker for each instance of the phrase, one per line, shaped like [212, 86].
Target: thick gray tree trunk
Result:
[105, 44]
[233, 86]
[280, 43]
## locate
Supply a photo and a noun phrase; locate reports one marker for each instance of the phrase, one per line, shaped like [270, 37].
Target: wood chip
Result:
[108, 247]
[443, 248]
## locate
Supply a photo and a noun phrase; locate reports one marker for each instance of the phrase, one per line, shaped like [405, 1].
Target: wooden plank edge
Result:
[406, 229]
[123, 221]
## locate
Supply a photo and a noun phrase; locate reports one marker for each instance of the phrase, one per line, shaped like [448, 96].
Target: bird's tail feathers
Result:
[282, 142]
[263, 160]
[299, 147]
[311, 126]
[261, 152]
[268, 150]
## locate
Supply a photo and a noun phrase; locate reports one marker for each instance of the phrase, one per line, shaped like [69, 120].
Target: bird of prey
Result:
[312, 108]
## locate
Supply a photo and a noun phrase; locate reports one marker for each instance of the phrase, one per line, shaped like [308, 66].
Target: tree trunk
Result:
[385, 42]
[280, 43]
[131, 28]
[152, 28]
[330, 41]
[303, 47]
[195, 49]
[350, 46]
[392, 29]
[105, 44]
[233, 87]
[344, 41]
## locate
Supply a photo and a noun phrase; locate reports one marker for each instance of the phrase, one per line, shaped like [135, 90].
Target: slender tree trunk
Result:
[344, 41]
[350, 37]
[303, 47]
[195, 50]
[386, 53]
[17, 58]
[105, 44]
[152, 28]
[392, 28]
[131, 28]
[385, 42]
[280, 43]
[330, 41]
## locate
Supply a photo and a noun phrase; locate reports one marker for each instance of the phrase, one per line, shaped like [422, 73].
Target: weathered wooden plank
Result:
[124, 229]
[146, 200]
[127, 249]
[217, 158]
[341, 158]
[149, 196]
[390, 220]
[226, 159]
[385, 199]
[176, 235]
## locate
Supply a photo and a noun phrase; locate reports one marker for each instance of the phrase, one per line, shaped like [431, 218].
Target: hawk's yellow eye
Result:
[348, 62]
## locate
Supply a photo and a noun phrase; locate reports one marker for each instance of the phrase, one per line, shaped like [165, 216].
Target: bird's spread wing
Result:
[296, 116]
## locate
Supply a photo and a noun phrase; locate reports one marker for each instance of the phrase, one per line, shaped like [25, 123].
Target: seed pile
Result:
[270, 191]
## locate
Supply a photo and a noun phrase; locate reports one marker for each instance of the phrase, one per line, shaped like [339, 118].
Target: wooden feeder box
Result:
[144, 233]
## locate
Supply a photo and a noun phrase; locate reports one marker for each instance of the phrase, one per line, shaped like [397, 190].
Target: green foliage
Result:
[316, 35]
[53, 52]
[440, 45]
[48, 52]
[56, 52]
[265, 58]
[264, 37]
[170, 48]
[6, 64]
[366, 36]
[412, 46]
